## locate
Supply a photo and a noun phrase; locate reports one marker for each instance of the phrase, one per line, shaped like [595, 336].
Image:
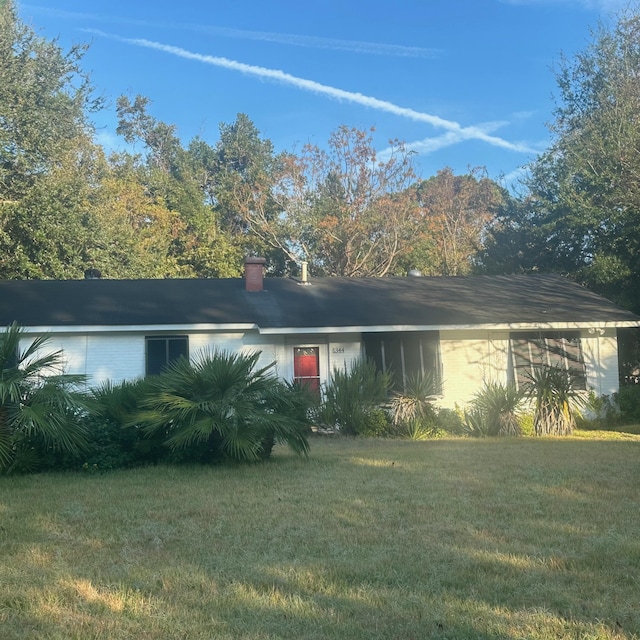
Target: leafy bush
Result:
[450, 421]
[618, 412]
[525, 420]
[600, 412]
[111, 443]
[353, 398]
[221, 406]
[627, 400]
[115, 440]
[375, 423]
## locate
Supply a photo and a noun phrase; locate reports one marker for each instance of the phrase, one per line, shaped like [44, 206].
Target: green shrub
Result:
[222, 406]
[109, 447]
[111, 441]
[353, 398]
[525, 421]
[413, 413]
[117, 440]
[417, 429]
[449, 421]
[627, 399]
[620, 411]
[600, 412]
[375, 423]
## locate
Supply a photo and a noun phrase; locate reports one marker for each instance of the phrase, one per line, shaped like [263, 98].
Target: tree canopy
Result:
[579, 215]
[164, 207]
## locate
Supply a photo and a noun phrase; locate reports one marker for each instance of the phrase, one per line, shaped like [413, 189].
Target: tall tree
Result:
[582, 209]
[47, 231]
[47, 157]
[249, 193]
[134, 235]
[349, 213]
[181, 179]
[44, 102]
[455, 212]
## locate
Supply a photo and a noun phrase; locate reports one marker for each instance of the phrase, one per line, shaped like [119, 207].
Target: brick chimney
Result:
[254, 273]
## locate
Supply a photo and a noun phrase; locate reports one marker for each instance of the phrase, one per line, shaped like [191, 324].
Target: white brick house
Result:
[466, 330]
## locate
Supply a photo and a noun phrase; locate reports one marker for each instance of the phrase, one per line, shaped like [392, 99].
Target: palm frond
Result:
[224, 398]
[37, 400]
[498, 404]
[415, 403]
[6, 445]
[557, 402]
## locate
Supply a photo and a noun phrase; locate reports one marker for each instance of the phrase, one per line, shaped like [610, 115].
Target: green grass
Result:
[368, 539]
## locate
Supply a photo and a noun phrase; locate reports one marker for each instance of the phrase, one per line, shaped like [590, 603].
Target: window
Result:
[548, 349]
[306, 367]
[405, 355]
[161, 350]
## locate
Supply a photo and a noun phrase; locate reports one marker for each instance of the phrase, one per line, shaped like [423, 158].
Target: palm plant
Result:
[117, 403]
[498, 404]
[473, 423]
[413, 412]
[353, 397]
[221, 405]
[40, 406]
[556, 401]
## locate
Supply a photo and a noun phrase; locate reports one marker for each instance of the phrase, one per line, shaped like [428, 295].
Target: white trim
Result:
[141, 328]
[223, 327]
[505, 326]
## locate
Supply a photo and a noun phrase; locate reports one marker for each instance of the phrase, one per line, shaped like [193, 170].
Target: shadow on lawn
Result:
[420, 546]
[278, 603]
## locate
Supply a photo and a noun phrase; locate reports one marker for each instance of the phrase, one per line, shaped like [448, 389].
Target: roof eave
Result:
[243, 327]
[498, 326]
[142, 328]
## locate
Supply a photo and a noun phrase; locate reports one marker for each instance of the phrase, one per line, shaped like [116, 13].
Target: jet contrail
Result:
[463, 133]
[429, 145]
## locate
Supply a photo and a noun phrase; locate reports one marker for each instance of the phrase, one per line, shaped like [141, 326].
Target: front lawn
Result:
[368, 539]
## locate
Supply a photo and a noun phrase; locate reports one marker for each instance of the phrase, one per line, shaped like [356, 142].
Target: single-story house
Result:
[464, 330]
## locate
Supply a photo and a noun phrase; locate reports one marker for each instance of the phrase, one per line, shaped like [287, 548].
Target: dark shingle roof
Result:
[326, 302]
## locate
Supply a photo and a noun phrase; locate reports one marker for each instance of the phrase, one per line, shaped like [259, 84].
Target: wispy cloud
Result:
[514, 178]
[291, 39]
[603, 5]
[89, 17]
[109, 141]
[461, 132]
[354, 46]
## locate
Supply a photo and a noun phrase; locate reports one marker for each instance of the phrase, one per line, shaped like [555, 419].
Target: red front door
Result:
[306, 367]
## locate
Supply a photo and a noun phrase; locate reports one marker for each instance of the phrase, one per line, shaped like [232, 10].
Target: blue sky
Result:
[465, 83]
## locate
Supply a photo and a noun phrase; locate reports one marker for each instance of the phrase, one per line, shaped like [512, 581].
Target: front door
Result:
[306, 367]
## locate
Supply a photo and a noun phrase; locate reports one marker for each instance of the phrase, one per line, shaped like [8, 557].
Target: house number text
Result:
[337, 350]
